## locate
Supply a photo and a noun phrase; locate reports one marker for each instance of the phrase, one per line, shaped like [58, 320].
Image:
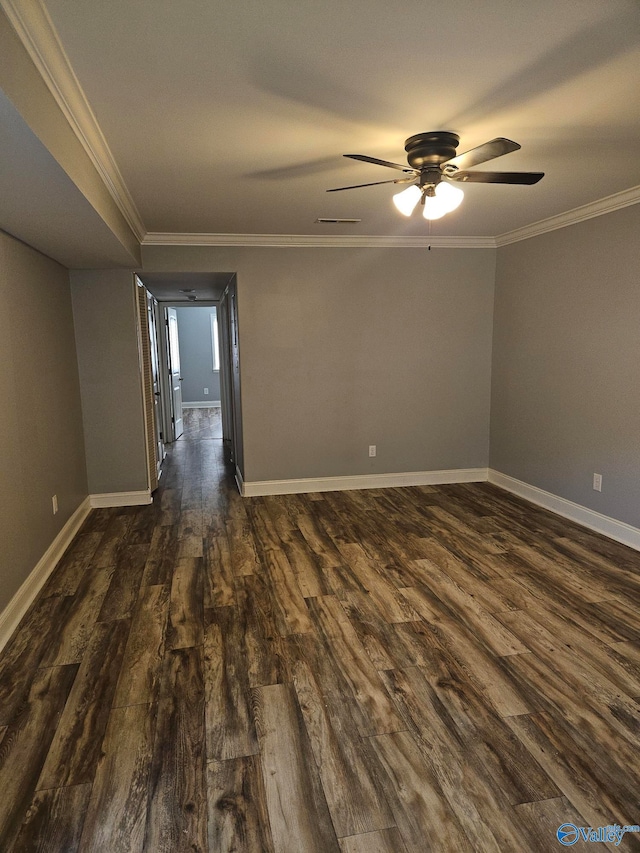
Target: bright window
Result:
[214, 339]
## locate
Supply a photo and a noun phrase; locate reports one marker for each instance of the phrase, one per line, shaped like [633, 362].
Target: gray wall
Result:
[104, 310]
[341, 348]
[40, 416]
[196, 355]
[566, 363]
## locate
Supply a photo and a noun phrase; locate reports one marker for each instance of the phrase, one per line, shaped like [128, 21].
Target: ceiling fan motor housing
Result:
[430, 149]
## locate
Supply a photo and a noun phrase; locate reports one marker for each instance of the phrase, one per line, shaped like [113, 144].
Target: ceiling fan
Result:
[434, 164]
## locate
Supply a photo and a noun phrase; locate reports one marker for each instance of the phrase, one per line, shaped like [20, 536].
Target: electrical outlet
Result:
[206, 390]
[597, 482]
[372, 450]
[54, 504]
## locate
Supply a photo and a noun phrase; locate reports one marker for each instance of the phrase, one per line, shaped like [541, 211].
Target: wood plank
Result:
[612, 719]
[24, 651]
[489, 594]
[283, 515]
[555, 640]
[97, 521]
[462, 538]
[482, 667]
[219, 581]
[189, 546]
[481, 731]
[388, 645]
[177, 811]
[376, 711]
[112, 542]
[317, 539]
[191, 523]
[68, 643]
[143, 525]
[420, 810]
[480, 802]
[54, 820]
[385, 597]
[296, 806]
[452, 601]
[348, 769]
[264, 647]
[191, 498]
[140, 670]
[572, 771]
[117, 812]
[384, 841]
[306, 565]
[186, 604]
[170, 503]
[25, 745]
[77, 742]
[238, 817]
[540, 822]
[244, 557]
[229, 723]
[161, 557]
[122, 594]
[622, 575]
[71, 568]
[288, 604]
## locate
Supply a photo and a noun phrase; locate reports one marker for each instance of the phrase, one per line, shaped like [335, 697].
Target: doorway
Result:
[198, 338]
[186, 393]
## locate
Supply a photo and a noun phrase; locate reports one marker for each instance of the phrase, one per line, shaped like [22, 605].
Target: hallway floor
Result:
[387, 671]
[201, 423]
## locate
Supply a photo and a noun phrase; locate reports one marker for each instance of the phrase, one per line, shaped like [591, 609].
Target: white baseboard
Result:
[359, 481]
[202, 404]
[120, 499]
[24, 597]
[618, 530]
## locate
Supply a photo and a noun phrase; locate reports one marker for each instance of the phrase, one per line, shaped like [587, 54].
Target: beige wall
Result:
[40, 417]
[566, 363]
[104, 310]
[342, 348]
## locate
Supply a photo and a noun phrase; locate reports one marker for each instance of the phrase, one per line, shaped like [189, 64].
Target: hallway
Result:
[437, 668]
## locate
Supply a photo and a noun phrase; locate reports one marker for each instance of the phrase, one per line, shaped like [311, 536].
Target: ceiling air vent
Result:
[338, 221]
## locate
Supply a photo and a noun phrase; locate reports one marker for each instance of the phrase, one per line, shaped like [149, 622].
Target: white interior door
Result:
[155, 375]
[174, 369]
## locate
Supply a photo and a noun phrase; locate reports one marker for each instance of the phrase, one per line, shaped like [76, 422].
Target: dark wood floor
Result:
[384, 671]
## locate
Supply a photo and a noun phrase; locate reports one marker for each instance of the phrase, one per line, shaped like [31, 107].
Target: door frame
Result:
[230, 378]
[152, 304]
[173, 352]
[166, 396]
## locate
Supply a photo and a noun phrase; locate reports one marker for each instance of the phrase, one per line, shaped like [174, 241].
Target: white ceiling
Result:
[231, 117]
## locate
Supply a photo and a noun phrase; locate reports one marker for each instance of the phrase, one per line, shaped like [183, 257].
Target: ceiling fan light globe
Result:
[433, 209]
[448, 196]
[406, 201]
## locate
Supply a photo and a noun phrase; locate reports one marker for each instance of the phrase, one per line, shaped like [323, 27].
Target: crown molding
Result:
[317, 240]
[626, 198]
[38, 35]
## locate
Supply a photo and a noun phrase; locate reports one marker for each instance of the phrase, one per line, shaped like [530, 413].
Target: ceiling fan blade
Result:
[497, 177]
[489, 151]
[374, 184]
[377, 162]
